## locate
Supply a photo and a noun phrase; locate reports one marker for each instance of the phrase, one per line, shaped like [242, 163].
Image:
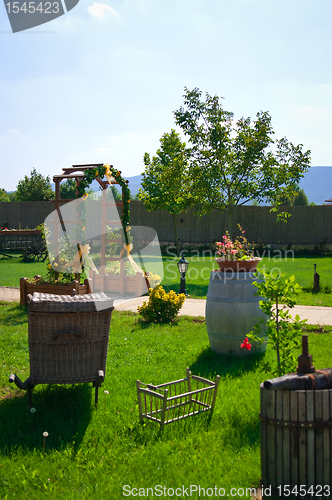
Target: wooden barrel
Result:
[296, 441]
[232, 310]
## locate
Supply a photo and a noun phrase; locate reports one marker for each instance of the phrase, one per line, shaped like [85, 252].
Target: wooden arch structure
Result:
[101, 282]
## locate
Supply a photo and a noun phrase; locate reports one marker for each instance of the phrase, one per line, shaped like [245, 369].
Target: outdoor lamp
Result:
[183, 266]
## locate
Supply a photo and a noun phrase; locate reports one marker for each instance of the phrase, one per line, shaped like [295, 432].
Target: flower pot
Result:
[232, 310]
[238, 265]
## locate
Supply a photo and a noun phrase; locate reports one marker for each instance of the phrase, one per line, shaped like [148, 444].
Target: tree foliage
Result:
[299, 198]
[4, 195]
[68, 189]
[233, 163]
[34, 188]
[166, 182]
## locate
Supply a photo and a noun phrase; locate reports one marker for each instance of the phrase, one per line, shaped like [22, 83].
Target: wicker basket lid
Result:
[90, 302]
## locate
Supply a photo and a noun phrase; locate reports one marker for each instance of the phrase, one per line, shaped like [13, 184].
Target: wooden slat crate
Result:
[172, 401]
[296, 440]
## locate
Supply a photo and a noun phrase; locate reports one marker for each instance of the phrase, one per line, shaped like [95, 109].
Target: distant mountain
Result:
[135, 184]
[317, 184]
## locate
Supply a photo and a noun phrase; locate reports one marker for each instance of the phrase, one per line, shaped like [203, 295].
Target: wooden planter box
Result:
[166, 403]
[65, 289]
[135, 285]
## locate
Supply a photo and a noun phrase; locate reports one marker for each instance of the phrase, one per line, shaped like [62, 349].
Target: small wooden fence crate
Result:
[166, 403]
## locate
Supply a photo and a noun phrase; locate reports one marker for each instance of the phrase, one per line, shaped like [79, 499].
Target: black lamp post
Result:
[183, 266]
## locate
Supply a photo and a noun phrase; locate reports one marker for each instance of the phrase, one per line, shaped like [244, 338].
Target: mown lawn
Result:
[93, 453]
[198, 275]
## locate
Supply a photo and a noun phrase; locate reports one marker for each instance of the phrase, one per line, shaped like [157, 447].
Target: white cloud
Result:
[99, 9]
[104, 149]
[13, 129]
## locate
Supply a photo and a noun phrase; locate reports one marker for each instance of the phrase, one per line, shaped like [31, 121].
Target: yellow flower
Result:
[84, 197]
[55, 264]
[49, 266]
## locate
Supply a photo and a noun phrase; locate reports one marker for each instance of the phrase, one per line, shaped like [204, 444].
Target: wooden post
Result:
[286, 438]
[302, 438]
[310, 441]
[316, 280]
[326, 440]
[139, 397]
[23, 298]
[294, 440]
[279, 439]
[87, 283]
[263, 435]
[163, 413]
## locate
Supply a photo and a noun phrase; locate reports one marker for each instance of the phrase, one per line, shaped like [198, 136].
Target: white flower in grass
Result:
[33, 410]
[45, 434]
[106, 392]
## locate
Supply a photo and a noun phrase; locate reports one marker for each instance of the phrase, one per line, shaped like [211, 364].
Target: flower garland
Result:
[109, 172]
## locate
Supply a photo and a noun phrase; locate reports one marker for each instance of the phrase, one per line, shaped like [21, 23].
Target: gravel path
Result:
[9, 294]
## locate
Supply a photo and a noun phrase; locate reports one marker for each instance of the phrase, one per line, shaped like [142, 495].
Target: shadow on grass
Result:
[209, 364]
[147, 432]
[195, 290]
[12, 313]
[242, 431]
[62, 411]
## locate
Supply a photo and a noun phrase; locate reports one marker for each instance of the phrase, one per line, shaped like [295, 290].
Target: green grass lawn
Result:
[198, 275]
[94, 453]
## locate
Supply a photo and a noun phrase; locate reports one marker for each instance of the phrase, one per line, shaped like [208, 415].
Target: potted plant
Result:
[235, 255]
[232, 307]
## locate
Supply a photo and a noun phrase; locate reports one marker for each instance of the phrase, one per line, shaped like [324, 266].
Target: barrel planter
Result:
[232, 310]
[296, 441]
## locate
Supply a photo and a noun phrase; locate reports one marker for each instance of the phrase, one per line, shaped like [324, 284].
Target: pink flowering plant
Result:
[239, 249]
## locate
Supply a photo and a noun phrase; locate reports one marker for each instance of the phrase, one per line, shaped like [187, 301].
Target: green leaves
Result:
[34, 188]
[233, 162]
[284, 332]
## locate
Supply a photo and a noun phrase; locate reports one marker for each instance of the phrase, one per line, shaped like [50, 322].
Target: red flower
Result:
[246, 344]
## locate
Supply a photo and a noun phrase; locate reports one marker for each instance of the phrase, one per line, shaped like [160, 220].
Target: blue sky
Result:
[100, 83]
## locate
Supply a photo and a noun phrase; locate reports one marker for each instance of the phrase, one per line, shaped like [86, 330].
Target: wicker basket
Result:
[166, 403]
[68, 339]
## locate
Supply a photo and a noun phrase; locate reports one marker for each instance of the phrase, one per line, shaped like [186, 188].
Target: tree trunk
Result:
[176, 236]
[230, 228]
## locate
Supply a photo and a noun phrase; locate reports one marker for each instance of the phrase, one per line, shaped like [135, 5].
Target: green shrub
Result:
[162, 307]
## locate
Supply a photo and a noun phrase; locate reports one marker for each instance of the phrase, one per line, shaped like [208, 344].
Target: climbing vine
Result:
[108, 171]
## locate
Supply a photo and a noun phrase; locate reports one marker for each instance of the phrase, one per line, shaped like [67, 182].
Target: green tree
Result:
[68, 189]
[166, 182]
[12, 195]
[233, 163]
[4, 195]
[116, 193]
[34, 188]
[300, 198]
